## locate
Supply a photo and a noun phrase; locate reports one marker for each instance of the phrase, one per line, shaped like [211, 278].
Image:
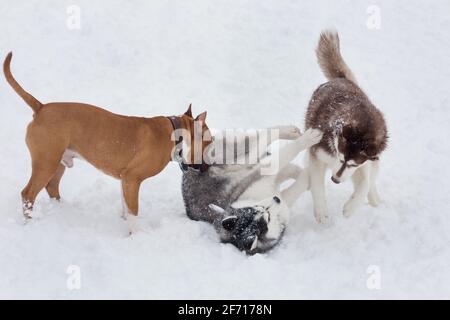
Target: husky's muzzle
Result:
[335, 180]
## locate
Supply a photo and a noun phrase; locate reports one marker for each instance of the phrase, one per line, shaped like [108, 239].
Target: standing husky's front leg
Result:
[374, 198]
[361, 183]
[316, 171]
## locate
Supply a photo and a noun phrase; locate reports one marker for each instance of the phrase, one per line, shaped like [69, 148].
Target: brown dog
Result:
[131, 149]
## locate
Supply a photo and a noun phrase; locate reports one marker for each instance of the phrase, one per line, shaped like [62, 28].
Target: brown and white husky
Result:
[354, 130]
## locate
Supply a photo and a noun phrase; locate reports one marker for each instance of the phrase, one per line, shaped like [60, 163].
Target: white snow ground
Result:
[250, 64]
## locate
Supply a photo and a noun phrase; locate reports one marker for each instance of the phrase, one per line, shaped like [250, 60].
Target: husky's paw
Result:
[374, 199]
[312, 137]
[289, 132]
[351, 206]
[321, 215]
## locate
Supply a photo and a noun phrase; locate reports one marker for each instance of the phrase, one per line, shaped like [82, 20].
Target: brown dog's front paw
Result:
[27, 210]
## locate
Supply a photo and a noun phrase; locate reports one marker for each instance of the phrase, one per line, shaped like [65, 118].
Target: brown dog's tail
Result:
[330, 59]
[28, 98]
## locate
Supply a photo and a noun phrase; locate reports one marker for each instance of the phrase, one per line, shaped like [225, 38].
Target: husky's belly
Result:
[259, 190]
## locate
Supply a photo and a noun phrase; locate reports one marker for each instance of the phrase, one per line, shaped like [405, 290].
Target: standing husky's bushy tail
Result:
[330, 59]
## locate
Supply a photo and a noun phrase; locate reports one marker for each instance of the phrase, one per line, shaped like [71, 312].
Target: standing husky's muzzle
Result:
[335, 180]
[346, 170]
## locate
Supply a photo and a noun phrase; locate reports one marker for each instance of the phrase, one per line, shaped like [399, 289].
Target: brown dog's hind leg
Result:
[46, 150]
[53, 185]
[39, 179]
[45, 162]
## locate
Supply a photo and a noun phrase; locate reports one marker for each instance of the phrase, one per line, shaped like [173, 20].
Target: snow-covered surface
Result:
[250, 64]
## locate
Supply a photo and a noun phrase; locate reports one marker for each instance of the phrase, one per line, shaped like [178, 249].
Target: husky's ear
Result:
[217, 209]
[201, 117]
[229, 223]
[189, 111]
[250, 243]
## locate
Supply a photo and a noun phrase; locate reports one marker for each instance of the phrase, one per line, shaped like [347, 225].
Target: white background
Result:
[251, 64]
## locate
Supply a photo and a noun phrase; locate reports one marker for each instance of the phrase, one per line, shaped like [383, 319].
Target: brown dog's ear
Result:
[189, 111]
[201, 117]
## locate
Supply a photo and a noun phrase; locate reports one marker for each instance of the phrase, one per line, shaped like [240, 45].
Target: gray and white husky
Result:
[247, 208]
[354, 130]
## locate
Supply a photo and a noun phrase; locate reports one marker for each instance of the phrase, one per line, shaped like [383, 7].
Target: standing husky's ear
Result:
[189, 111]
[201, 117]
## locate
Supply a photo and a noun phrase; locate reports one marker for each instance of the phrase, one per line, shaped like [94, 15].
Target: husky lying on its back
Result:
[246, 207]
